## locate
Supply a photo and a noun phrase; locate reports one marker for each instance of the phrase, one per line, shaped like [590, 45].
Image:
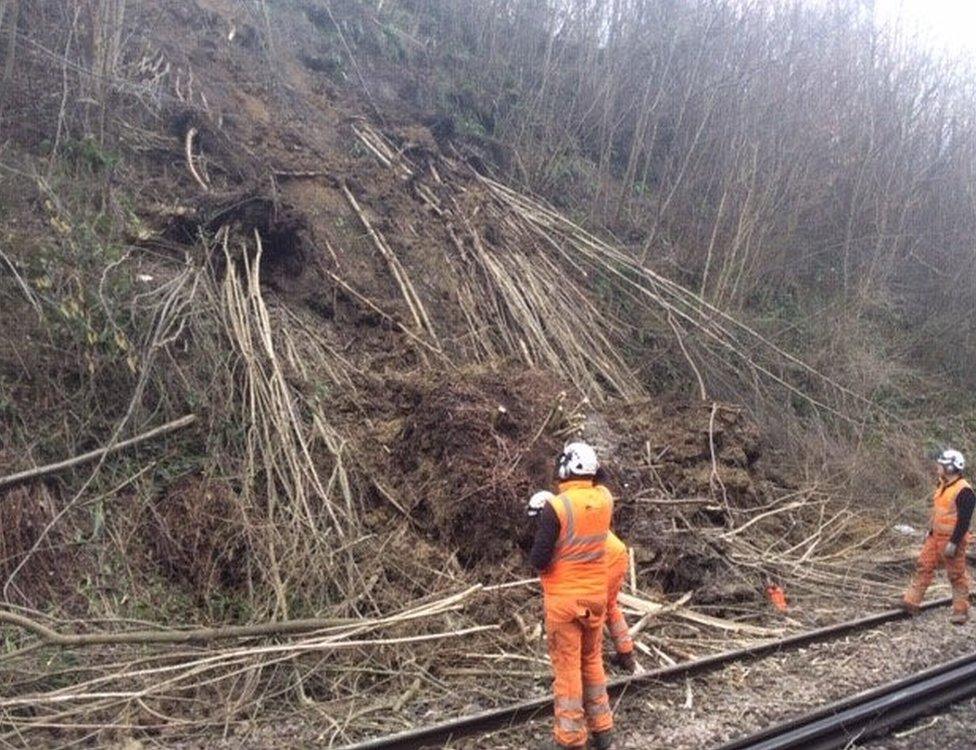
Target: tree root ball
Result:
[472, 450]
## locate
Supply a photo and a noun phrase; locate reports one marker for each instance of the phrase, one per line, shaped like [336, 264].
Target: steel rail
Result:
[437, 735]
[873, 713]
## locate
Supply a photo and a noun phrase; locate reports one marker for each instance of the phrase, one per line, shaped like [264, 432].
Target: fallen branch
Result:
[756, 519]
[190, 135]
[654, 608]
[511, 584]
[396, 269]
[679, 335]
[379, 311]
[28, 293]
[41, 471]
[210, 663]
[674, 501]
[728, 625]
[199, 635]
[338, 626]
[651, 614]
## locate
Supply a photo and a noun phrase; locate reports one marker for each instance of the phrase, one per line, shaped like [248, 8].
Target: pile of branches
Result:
[554, 316]
[152, 681]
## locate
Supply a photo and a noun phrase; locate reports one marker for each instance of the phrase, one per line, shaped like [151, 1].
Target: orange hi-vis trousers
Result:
[931, 558]
[574, 635]
[616, 623]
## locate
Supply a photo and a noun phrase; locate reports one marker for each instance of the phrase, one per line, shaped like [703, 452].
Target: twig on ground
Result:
[188, 146]
[41, 471]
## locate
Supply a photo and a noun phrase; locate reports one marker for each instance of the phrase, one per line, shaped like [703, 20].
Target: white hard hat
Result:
[577, 460]
[952, 460]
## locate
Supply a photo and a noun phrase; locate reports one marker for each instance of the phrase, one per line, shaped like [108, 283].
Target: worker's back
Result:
[579, 565]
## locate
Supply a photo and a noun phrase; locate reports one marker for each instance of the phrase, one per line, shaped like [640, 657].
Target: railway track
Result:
[874, 713]
[440, 734]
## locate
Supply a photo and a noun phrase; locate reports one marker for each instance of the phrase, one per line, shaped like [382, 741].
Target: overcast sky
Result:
[950, 24]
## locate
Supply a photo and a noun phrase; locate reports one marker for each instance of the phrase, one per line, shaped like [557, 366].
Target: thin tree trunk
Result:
[11, 56]
[719, 215]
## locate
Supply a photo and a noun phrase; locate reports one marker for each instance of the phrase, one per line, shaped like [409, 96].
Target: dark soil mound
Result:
[471, 451]
[468, 448]
[669, 450]
[676, 468]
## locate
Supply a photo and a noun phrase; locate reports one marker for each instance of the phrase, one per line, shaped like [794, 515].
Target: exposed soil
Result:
[197, 532]
[470, 451]
[683, 451]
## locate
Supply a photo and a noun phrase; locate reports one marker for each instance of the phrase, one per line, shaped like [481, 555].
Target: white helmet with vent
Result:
[952, 461]
[577, 460]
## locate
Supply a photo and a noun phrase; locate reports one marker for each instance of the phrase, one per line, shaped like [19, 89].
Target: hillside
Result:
[382, 259]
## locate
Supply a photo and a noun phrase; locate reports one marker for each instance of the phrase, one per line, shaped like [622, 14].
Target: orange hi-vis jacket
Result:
[579, 563]
[616, 549]
[944, 512]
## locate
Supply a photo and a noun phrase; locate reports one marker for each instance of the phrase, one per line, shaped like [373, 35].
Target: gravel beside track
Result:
[745, 697]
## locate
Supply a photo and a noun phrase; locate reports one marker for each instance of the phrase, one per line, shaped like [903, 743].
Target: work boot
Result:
[959, 618]
[625, 661]
[602, 740]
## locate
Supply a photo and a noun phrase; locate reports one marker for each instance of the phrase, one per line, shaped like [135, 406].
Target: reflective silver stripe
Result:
[570, 537]
[589, 539]
[594, 692]
[566, 724]
[568, 704]
[583, 547]
[569, 546]
[618, 626]
[568, 510]
[582, 556]
[598, 709]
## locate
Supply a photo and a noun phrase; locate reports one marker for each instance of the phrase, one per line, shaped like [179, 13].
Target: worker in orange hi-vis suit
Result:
[569, 551]
[618, 565]
[618, 562]
[952, 512]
